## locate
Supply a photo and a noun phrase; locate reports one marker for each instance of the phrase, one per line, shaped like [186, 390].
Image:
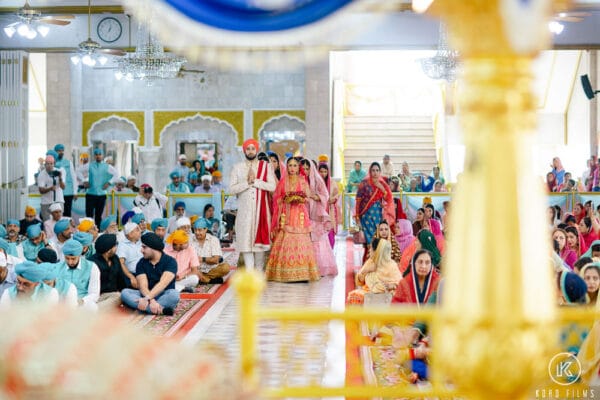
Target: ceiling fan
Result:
[556, 25]
[571, 16]
[90, 52]
[31, 22]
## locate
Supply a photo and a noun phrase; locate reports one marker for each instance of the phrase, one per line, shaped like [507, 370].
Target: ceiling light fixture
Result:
[90, 52]
[149, 62]
[31, 22]
[443, 65]
[556, 27]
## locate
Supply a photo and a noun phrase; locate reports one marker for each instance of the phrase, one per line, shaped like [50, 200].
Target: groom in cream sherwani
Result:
[250, 181]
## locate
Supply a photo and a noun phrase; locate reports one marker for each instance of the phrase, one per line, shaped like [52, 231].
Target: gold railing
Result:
[114, 201]
[249, 286]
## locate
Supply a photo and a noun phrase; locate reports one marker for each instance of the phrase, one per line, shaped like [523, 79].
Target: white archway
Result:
[120, 136]
[197, 128]
[283, 128]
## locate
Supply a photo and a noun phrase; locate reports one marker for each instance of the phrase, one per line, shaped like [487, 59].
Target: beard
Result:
[250, 158]
[60, 156]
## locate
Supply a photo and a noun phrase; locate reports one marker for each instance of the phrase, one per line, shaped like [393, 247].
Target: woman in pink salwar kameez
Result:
[318, 206]
[334, 210]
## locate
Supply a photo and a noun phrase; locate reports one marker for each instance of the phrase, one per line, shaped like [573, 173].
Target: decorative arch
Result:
[194, 127]
[112, 126]
[165, 119]
[283, 134]
[261, 117]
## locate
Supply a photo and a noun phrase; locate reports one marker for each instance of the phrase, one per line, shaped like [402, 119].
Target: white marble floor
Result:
[291, 354]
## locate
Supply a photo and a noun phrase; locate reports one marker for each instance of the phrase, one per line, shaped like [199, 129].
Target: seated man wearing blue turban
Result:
[177, 185]
[63, 231]
[13, 226]
[178, 212]
[29, 286]
[82, 273]
[36, 240]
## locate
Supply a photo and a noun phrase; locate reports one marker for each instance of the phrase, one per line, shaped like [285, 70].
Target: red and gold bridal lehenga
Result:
[292, 256]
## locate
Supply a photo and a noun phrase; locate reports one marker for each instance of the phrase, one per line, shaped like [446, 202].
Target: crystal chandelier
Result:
[149, 62]
[443, 65]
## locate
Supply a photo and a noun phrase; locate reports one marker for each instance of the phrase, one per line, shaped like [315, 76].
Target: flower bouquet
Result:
[295, 197]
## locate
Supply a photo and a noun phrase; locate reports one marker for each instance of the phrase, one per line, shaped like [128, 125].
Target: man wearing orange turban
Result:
[30, 219]
[178, 247]
[251, 181]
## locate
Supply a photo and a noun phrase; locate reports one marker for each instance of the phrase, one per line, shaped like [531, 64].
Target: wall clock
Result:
[109, 29]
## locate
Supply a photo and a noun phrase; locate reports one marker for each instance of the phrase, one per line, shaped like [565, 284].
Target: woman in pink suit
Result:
[318, 206]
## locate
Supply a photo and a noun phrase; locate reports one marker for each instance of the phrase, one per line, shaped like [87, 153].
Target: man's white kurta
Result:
[246, 221]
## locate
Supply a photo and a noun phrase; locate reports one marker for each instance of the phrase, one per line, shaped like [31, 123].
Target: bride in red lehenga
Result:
[292, 256]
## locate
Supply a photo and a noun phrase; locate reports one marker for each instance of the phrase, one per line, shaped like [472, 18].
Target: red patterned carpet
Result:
[191, 308]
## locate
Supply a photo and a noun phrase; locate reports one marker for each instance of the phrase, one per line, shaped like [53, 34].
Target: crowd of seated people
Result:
[416, 276]
[144, 265]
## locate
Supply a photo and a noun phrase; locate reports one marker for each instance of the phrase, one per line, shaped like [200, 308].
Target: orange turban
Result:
[427, 200]
[30, 211]
[178, 237]
[248, 142]
[85, 225]
[323, 158]
[193, 219]
[84, 155]
[217, 173]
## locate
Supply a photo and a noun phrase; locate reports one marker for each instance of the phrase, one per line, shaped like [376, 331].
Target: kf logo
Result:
[564, 369]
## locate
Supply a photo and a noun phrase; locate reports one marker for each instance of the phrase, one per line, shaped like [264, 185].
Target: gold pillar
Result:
[248, 286]
[495, 335]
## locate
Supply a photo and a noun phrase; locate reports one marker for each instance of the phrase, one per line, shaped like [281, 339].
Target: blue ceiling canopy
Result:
[257, 15]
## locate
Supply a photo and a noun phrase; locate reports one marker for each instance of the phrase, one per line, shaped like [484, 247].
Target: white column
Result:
[317, 100]
[14, 108]
[148, 166]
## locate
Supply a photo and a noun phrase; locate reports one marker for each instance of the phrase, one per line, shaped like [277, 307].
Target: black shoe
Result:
[187, 289]
[168, 311]
[216, 280]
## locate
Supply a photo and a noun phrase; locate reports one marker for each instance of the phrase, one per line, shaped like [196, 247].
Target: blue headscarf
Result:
[72, 248]
[34, 231]
[107, 221]
[159, 222]
[61, 226]
[138, 218]
[202, 223]
[35, 273]
[126, 217]
[84, 238]
[13, 222]
[53, 154]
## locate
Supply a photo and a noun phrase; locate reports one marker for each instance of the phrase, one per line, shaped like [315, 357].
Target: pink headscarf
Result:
[405, 237]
